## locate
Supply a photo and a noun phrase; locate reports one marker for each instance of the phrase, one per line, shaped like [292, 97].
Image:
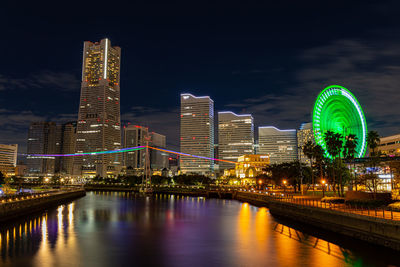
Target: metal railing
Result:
[377, 212]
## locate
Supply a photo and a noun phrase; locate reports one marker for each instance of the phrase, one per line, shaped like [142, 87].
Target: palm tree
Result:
[349, 150]
[373, 140]
[319, 158]
[334, 143]
[308, 150]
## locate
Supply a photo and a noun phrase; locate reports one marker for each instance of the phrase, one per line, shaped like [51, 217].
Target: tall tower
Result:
[99, 111]
[197, 133]
[235, 137]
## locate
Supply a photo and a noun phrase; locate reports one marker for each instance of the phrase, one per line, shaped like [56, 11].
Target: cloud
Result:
[160, 121]
[370, 70]
[63, 81]
[14, 125]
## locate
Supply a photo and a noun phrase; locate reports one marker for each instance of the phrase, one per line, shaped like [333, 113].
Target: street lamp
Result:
[323, 188]
[284, 185]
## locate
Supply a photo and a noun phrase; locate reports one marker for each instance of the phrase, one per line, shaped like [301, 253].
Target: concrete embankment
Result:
[14, 209]
[377, 231]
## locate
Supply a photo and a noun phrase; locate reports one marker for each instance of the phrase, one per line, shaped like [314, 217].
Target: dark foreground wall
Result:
[373, 230]
[19, 208]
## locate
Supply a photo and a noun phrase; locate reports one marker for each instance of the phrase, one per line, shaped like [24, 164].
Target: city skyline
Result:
[275, 82]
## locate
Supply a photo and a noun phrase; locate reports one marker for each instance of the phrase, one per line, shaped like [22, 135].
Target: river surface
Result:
[122, 229]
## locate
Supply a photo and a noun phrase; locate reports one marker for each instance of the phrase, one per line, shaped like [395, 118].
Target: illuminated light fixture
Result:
[336, 109]
[105, 59]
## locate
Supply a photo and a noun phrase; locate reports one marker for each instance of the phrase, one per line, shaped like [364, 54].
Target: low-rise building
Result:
[250, 166]
[390, 145]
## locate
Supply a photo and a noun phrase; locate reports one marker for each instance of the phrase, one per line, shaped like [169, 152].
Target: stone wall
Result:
[11, 210]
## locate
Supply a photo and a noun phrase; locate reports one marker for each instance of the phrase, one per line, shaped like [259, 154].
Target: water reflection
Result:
[123, 229]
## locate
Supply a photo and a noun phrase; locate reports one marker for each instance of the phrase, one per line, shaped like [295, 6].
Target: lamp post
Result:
[323, 188]
[284, 186]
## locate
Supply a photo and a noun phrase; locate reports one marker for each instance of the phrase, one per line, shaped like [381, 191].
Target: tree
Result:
[349, 150]
[308, 150]
[319, 159]
[370, 178]
[334, 143]
[373, 140]
[2, 178]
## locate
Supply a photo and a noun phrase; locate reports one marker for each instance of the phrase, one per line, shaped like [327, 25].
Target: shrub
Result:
[333, 200]
[395, 206]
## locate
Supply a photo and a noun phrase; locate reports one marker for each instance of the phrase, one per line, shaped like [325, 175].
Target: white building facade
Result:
[280, 145]
[197, 134]
[235, 137]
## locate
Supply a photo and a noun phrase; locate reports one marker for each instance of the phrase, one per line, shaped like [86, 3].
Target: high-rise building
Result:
[304, 135]
[235, 137]
[280, 145]
[134, 135]
[158, 159]
[66, 139]
[98, 126]
[42, 138]
[8, 159]
[197, 134]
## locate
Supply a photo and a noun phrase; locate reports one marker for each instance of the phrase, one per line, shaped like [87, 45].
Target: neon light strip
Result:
[125, 150]
[273, 127]
[105, 62]
[233, 113]
[89, 153]
[189, 155]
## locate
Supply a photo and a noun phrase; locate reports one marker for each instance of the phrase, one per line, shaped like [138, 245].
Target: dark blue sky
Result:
[269, 60]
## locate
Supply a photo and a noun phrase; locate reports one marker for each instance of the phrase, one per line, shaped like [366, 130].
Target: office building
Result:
[42, 138]
[280, 145]
[235, 137]
[98, 126]
[197, 134]
[65, 144]
[390, 145]
[134, 135]
[158, 159]
[8, 159]
[304, 135]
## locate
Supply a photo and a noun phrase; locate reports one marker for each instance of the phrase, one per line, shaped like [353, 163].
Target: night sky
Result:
[270, 61]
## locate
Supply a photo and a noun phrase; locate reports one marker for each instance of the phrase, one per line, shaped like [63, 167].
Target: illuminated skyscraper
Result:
[280, 145]
[65, 144]
[99, 110]
[235, 137]
[42, 138]
[304, 135]
[197, 133]
[134, 135]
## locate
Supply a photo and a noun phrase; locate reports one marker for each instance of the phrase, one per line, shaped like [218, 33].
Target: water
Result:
[121, 229]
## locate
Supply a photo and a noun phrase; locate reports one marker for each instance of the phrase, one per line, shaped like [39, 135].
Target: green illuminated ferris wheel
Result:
[337, 110]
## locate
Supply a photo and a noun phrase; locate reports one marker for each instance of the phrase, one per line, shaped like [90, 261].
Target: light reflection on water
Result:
[121, 229]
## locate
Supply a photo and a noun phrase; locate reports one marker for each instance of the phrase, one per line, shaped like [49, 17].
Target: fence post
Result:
[391, 212]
